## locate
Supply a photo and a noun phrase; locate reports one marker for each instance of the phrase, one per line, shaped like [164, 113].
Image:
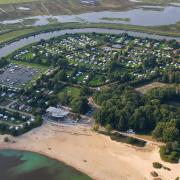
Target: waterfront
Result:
[20, 165]
[139, 16]
[94, 154]
[9, 48]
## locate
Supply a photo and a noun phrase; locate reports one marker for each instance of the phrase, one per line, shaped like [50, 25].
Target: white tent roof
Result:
[57, 112]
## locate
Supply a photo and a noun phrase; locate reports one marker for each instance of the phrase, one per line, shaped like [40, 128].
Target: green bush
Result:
[108, 128]
[166, 168]
[154, 174]
[168, 155]
[157, 165]
[131, 140]
[6, 139]
[96, 127]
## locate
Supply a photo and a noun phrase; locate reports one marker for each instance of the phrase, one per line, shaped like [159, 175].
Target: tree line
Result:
[123, 108]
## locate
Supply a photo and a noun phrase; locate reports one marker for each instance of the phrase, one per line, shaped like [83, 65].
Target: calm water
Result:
[7, 49]
[143, 16]
[20, 165]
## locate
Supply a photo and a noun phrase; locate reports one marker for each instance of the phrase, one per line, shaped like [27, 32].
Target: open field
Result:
[12, 9]
[104, 2]
[41, 68]
[14, 34]
[93, 153]
[171, 30]
[161, 1]
[15, 1]
[144, 89]
[71, 91]
[56, 7]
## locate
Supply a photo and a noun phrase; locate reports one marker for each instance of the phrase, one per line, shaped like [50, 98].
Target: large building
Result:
[57, 113]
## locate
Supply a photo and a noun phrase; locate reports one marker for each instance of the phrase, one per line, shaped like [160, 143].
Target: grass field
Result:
[15, 1]
[57, 7]
[170, 30]
[14, 34]
[71, 91]
[161, 1]
[41, 68]
[105, 2]
[96, 81]
[144, 89]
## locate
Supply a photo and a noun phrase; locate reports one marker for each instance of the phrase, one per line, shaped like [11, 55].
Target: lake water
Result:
[142, 16]
[21, 165]
[9, 48]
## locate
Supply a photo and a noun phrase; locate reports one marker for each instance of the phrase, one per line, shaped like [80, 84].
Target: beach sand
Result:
[93, 153]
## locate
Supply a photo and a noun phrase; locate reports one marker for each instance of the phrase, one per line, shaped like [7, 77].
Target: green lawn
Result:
[28, 56]
[14, 34]
[96, 81]
[33, 65]
[15, 1]
[161, 1]
[169, 30]
[71, 91]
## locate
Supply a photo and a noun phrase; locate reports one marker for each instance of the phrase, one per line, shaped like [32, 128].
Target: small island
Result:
[116, 19]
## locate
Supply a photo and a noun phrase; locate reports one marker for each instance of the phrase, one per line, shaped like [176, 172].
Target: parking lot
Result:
[16, 76]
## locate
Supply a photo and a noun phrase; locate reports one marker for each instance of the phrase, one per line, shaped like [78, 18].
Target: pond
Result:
[141, 16]
[22, 165]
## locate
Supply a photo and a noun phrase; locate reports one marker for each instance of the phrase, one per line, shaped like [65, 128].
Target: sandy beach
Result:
[93, 153]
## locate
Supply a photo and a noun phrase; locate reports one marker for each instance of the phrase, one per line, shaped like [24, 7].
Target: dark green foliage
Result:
[149, 62]
[170, 152]
[85, 91]
[167, 131]
[125, 139]
[3, 62]
[166, 168]
[4, 128]
[124, 109]
[6, 139]
[80, 105]
[61, 76]
[154, 174]
[171, 76]
[157, 165]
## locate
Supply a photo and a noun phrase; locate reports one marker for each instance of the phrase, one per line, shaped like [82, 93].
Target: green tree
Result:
[108, 128]
[80, 105]
[96, 127]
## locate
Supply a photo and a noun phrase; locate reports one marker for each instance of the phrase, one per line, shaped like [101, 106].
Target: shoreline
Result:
[22, 43]
[48, 156]
[41, 153]
[63, 26]
[92, 153]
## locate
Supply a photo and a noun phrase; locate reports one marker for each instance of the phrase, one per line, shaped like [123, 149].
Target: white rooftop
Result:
[57, 112]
